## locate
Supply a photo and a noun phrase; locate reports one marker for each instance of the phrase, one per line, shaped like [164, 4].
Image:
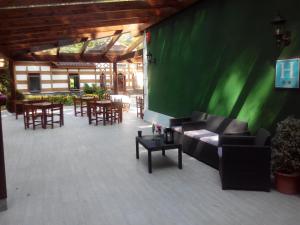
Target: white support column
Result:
[145, 67]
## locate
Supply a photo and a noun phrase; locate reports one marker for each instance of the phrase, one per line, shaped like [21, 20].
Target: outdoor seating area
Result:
[137, 112]
[81, 180]
[107, 111]
[42, 113]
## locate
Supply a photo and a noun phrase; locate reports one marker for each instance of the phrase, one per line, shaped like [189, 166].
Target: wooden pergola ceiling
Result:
[29, 26]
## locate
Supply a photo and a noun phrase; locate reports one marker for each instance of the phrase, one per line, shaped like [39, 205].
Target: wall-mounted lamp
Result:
[282, 36]
[150, 58]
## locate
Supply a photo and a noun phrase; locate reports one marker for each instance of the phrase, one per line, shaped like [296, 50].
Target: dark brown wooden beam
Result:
[85, 45]
[84, 14]
[62, 58]
[21, 7]
[85, 22]
[115, 78]
[73, 29]
[45, 4]
[134, 44]
[130, 55]
[67, 20]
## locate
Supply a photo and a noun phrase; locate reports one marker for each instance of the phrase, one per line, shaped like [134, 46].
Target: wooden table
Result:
[19, 105]
[43, 106]
[104, 104]
[155, 143]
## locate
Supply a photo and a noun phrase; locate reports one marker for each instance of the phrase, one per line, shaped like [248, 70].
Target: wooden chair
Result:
[109, 114]
[140, 107]
[106, 97]
[32, 116]
[77, 105]
[117, 108]
[55, 114]
[96, 113]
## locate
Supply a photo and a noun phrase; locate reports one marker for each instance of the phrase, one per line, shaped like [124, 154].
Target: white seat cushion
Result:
[213, 140]
[199, 133]
[177, 128]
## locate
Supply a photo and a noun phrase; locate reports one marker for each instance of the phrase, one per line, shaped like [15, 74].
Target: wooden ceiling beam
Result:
[130, 55]
[71, 19]
[65, 15]
[62, 58]
[112, 42]
[48, 4]
[85, 45]
[63, 29]
[14, 12]
[134, 44]
[179, 4]
[37, 42]
[91, 22]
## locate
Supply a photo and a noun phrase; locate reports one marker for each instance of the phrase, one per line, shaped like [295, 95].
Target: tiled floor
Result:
[88, 175]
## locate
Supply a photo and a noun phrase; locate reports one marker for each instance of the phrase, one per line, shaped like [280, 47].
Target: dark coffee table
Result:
[155, 143]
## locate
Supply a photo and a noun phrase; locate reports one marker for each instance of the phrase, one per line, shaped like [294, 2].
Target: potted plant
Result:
[286, 156]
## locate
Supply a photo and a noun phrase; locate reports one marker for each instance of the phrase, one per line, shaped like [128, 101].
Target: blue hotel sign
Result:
[287, 73]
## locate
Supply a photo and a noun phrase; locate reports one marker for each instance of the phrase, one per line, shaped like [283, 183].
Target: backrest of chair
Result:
[214, 122]
[263, 137]
[92, 104]
[117, 105]
[139, 103]
[234, 126]
[106, 96]
[76, 100]
[197, 116]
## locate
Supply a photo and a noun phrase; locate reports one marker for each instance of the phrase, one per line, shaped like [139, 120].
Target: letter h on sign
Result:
[287, 73]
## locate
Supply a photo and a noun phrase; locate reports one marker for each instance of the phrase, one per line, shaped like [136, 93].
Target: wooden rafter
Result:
[62, 58]
[57, 52]
[88, 21]
[114, 39]
[84, 46]
[130, 55]
[134, 44]
[34, 24]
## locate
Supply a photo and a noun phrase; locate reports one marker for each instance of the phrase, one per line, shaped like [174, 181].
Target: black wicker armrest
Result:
[246, 167]
[196, 125]
[236, 140]
[258, 155]
[179, 121]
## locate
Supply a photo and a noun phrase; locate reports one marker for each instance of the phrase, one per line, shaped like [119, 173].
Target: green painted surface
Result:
[219, 57]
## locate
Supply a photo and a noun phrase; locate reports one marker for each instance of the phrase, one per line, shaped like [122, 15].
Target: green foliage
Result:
[64, 99]
[75, 48]
[286, 146]
[87, 89]
[94, 90]
[4, 81]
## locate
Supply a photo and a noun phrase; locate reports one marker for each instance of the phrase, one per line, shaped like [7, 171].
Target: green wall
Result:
[219, 57]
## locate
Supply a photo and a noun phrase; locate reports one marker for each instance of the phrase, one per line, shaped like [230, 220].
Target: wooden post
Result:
[3, 191]
[115, 78]
[12, 84]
